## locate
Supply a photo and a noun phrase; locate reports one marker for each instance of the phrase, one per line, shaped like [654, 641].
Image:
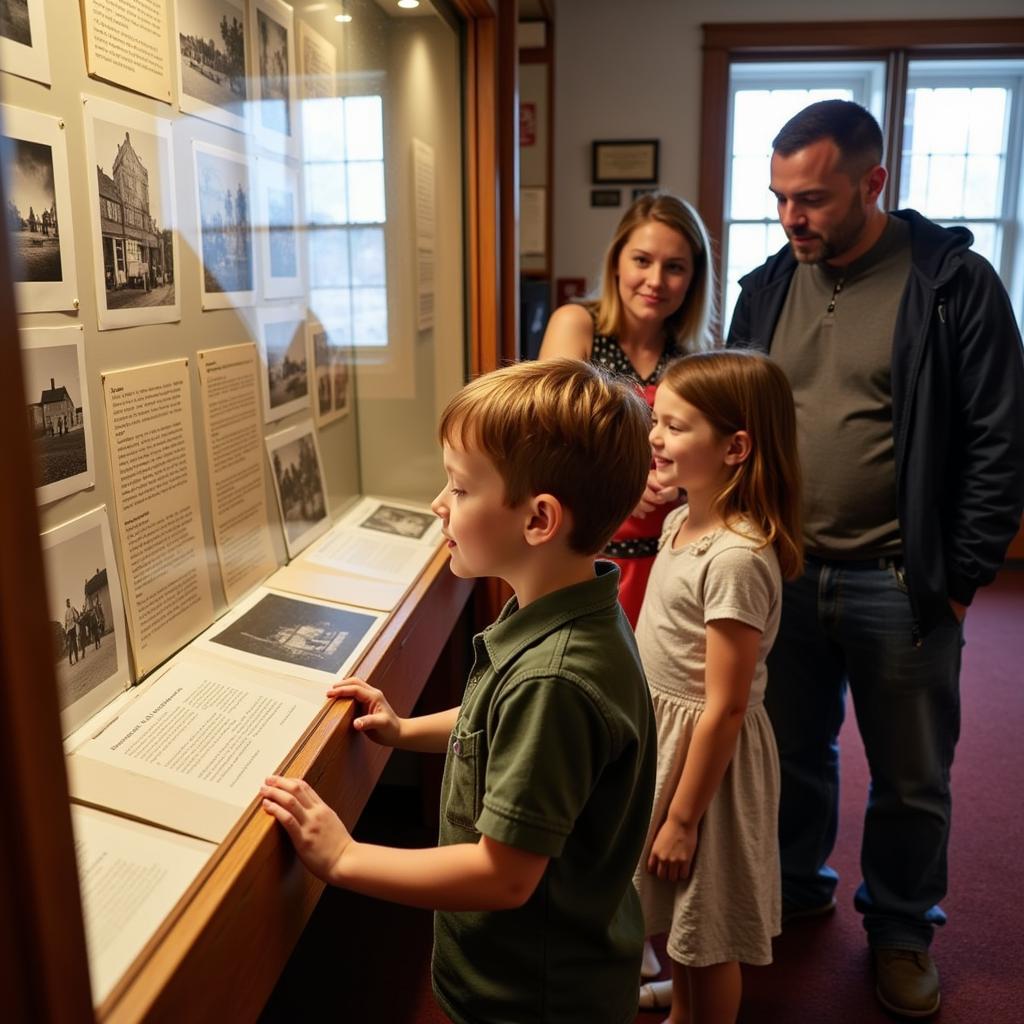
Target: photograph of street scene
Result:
[31, 209]
[222, 183]
[82, 616]
[211, 52]
[299, 486]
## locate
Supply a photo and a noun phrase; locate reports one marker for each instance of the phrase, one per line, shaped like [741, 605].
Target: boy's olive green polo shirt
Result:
[553, 752]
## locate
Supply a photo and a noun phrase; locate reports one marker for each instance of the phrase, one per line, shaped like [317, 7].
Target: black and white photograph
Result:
[299, 485]
[272, 25]
[87, 632]
[278, 222]
[402, 522]
[23, 47]
[332, 372]
[211, 41]
[57, 404]
[322, 640]
[39, 224]
[223, 209]
[135, 238]
[281, 337]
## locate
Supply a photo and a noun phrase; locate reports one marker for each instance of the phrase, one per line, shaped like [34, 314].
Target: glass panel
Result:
[946, 186]
[325, 193]
[364, 128]
[982, 186]
[367, 248]
[987, 121]
[366, 193]
[749, 187]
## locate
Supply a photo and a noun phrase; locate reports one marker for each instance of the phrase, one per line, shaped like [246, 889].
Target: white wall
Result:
[633, 70]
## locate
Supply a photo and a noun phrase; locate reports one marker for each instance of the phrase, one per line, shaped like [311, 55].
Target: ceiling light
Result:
[408, 4]
[343, 17]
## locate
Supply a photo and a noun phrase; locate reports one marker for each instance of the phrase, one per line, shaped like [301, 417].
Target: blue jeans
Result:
[853, 626]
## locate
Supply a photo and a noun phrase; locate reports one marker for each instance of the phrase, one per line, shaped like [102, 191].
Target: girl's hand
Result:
[654, 495]
[319, 837]
[379, 722]
[673, 851]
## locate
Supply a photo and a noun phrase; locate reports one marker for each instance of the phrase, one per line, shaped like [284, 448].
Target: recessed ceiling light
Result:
[343, 17]
[409, 4]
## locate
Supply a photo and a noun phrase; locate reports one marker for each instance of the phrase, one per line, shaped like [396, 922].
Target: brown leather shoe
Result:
[907, 981]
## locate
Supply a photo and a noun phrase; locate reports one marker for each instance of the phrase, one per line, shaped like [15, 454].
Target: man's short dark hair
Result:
[852, 128]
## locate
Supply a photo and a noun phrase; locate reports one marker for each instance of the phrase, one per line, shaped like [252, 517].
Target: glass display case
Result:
[246, 241]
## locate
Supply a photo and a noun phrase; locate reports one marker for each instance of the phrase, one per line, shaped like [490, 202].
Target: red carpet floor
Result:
[364, 961]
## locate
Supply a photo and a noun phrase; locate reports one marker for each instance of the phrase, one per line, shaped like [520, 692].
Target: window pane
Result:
[749, 246]
[367, 256]
[366, 193]
[987, 240]
[946, 186]
[914, 187]
[333, 308]
[749, 187]
[370, 316]
[328, 257]
[325, 194]
[982, 187]
[753, 124]
[323, 130]
[364, 128]
[988, 121]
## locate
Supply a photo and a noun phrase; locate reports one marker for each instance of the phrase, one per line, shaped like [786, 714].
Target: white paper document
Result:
[192, 751]
[130, 876]
[229, 386]
[379, 539]
[156, 497]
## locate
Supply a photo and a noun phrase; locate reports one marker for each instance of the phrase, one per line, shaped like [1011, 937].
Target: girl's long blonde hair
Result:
[744, 390]
[688, 326]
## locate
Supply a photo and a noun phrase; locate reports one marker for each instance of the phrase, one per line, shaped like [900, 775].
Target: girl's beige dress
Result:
[729, 908]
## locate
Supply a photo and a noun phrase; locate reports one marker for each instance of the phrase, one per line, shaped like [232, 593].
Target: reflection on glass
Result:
[364, 128]
[323, 130]
[328, 258]
[366, 192]
[325, 193]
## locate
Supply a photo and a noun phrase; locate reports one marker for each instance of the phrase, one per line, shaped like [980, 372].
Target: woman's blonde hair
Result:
[689, 325]
[744, 390]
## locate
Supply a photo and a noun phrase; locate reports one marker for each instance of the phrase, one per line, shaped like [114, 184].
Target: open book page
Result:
[192, 750]
[380, 539]
[156, 500]
[316, 641]
[229, 390]
[130, 876]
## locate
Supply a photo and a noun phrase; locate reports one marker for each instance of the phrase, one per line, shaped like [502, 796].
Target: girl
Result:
[724, 431]
[655, 304]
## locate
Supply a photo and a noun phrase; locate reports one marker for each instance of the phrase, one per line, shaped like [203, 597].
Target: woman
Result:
[655, 304]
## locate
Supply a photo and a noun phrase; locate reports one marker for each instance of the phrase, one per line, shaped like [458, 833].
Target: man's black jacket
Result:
[957, 409]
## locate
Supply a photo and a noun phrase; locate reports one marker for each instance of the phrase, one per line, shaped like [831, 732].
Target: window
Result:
[762, 97]
[346, 214]
[954, 128]
[961, 160]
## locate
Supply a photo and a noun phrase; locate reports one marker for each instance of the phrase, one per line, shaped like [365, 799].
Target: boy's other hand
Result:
[316, 831]
[672, 851]
[379, 720]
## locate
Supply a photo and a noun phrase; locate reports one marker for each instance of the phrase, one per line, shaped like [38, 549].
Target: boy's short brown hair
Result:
[560, 427]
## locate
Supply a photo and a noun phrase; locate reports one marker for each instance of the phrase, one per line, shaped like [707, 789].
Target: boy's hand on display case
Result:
[379, 720]
[315, 830]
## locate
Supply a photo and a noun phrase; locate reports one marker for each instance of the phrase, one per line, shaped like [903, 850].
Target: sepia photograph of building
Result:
[272, 47]
[57, 410]
[136, 268]
[14, 21]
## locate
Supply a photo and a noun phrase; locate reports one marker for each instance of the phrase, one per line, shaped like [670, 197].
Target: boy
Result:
[549, 775]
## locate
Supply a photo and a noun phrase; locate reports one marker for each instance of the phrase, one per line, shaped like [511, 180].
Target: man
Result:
[906, 366]
[71, 630]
